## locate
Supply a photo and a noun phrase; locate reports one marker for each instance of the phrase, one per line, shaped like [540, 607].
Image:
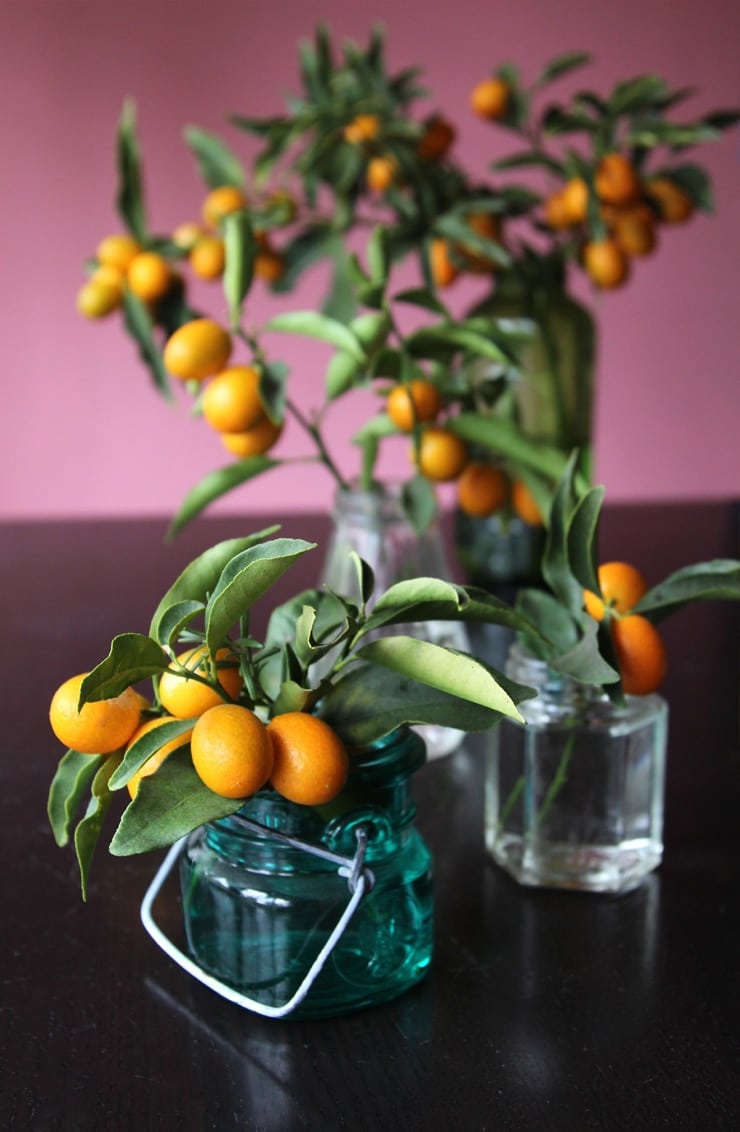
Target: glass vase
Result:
[574, 798]
[374, 525]
[258, 909]
[551, 402]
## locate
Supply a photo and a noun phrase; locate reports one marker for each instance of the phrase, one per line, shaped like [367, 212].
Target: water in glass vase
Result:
[574, 799]
[258, 911]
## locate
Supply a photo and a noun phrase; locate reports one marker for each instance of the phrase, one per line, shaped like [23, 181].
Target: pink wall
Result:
[83, 434]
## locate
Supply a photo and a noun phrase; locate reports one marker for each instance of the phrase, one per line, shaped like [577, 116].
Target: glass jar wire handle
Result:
[359, 878]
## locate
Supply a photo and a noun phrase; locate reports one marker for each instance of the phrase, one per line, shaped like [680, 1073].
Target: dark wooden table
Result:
[542, 1010]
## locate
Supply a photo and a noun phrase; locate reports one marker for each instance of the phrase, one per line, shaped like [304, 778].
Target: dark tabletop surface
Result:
[543, 1010]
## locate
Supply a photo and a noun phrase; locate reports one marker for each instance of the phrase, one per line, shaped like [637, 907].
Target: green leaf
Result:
[717, 580]
[340, 303]
[386, 363]
[342, 373]
[146, 746]
[130, 200]
[214, 485]
[244, 580]
[314, 325]
[291, 697]
[583, 536]
[370, 702]
[168, 805]
[198, 580]
[452, 337]
[649, 134]
[505, 439]
[241, 252]
[638, 94]
[422, 297]
[530, 161]
[273, 389]
[132, 657]
[375, 429]
[311, 245]
[371, 329]
[553, 622]
[68, 787]
[177, 618]
[556, 568]
[87, 832]
[217, 164]
[453, 672]
[139, 324]
[423, 599]
[584, 661]
[419, 501]
[378, 256]
[562, 65]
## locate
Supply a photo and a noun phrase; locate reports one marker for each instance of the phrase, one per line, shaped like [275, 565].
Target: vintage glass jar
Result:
[574, 799]
[258, 910]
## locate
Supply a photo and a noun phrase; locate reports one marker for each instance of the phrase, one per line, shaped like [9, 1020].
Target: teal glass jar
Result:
[258, 909]
[575, 796]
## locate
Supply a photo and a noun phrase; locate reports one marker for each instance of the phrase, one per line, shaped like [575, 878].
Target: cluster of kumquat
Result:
[233, 752]
[121, 262]
[199, 352]
[639, 648]
[483, 487]
[449, 259]
[631, 210]
[609, 204]
[153, 274]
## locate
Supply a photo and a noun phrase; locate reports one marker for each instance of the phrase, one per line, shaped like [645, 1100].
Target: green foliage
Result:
[366, 687]
[218, 166]
[568, 638]
[130, 198]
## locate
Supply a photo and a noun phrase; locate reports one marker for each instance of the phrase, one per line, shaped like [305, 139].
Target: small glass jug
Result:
[574, 799]
[258, 909]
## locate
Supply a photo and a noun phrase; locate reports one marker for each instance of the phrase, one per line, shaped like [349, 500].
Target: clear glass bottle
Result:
[257, 911]
[374, 525]
[574, 799]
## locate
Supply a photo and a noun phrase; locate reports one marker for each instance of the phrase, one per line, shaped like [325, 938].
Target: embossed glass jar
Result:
[258, 910]
[574, 798]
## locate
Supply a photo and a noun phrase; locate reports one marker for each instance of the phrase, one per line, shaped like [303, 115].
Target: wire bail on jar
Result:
[360, 881]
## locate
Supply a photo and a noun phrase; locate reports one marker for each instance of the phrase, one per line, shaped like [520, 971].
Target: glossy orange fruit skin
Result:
[615, 180]
[253, 441]
[482, 490]
[231, 751]
[183, 697]
[310, 762]
[673, 204]
[197, 350]
[525, 504]
[231, 402]
[622, 586]
[641, 654]
[490, 98]
[606, 264]
[444, 271]
[418, 401]
[100, 726]
[220, 202]
[442, 455]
